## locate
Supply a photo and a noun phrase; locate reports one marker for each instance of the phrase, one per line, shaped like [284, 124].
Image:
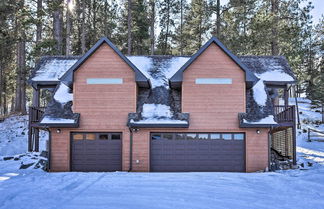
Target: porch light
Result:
[258, 131]
[58, 130]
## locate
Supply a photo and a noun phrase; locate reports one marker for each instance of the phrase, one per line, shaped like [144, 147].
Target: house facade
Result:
[211, 111]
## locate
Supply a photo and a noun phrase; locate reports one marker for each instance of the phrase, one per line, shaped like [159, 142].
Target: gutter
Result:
[130, 150]
[49, 148]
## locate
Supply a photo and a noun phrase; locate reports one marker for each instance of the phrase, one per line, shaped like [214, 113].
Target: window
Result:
[77, 136]
[168, 136]
[90, 136]
[191, 136]
[104, 81]
[227, 136]
[156, 136]
[202, 136]
[103, 136]
[115, 137]
[238, 136]
[198, 136]
[213, 81]
[180, 136]
[215, 136]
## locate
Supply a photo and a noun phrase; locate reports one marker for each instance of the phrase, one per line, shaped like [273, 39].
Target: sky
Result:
[318, 10]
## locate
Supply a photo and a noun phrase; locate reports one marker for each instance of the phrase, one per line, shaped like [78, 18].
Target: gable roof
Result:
[176, 79]
[271, 69]
[49, 69]
[68, 77]
[159, 68]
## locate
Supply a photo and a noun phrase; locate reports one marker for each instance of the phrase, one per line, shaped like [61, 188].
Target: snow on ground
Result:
[14, 134]
[300, 188]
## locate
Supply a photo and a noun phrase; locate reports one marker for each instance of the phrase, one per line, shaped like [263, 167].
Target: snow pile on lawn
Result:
[53, 69]
[259, 93]
[14, 136]
[49, 120]
[33, 160]
[267, 120]
[161, 72]
[62, 94]
[310, 154]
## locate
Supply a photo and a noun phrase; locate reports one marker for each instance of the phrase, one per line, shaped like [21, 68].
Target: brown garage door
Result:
[96, 151]
[177, 152]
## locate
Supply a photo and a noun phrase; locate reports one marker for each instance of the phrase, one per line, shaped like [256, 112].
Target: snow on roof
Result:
[269, 68]
[267, 120]
[276, 75]
[50, 120]
[156, 111]
[158, 68]
[62, 94]
[259, 93]
[52, 68]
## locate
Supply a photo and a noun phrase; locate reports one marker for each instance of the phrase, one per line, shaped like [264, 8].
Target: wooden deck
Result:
[35, 114]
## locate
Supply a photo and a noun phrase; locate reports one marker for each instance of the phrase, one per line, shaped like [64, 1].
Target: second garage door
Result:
[96, 151]
[178, 152]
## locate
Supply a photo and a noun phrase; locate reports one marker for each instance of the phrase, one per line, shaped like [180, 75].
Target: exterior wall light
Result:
[258, 131]
[58, 130]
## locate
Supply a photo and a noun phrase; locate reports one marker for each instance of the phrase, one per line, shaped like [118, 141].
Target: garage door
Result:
[96, 151]
[177, 152]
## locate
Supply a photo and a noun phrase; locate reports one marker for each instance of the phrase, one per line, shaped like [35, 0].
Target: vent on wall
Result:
[213, 81]
[104, 81]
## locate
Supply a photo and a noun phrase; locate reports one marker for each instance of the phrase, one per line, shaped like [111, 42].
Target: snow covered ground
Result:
[300, 188]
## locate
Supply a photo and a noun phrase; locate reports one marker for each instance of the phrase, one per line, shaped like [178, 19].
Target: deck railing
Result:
[315, 135]
[284, 113]
[35, 114]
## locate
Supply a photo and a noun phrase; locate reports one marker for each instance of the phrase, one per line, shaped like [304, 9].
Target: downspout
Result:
[269, 150]
[49, 149]
[130, 149]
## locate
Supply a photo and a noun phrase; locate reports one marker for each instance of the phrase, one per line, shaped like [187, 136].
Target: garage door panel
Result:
[96, 154]
[197, 154]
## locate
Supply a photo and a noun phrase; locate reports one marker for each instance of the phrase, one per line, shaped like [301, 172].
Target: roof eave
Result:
[158, 125]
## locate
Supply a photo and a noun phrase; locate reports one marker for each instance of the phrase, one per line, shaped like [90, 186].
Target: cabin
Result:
[212, 111]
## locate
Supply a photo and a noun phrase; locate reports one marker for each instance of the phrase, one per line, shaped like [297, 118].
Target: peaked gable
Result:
[140, 78]
[176, 79]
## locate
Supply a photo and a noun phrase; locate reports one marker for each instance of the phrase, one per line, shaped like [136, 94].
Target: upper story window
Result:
[213, 81]
[104, 81]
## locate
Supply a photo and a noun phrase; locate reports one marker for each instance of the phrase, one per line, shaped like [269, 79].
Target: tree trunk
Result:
[181, 27]
[129, 28]
[39, 24]
[322, 113]
[1, 89]
[20, 103]
[152, 37]
[57, 26]
[274, 27]
[83, 45]
[218, 22]
[167, 29]
[68, 33]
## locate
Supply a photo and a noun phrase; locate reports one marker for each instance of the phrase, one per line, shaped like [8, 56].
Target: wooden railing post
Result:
[309, 135]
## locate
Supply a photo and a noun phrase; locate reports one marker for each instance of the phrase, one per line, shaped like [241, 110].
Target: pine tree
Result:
[168, 11]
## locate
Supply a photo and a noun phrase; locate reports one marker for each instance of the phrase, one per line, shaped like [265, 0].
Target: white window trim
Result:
[214, 81]
[104, 81]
